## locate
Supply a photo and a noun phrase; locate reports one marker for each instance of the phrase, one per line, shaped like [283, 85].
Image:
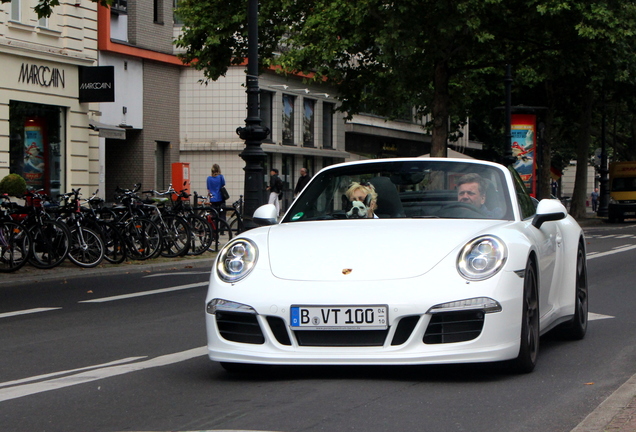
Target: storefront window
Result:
[37, 144]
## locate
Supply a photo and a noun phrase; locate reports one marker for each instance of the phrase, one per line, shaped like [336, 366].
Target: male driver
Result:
[471, 189]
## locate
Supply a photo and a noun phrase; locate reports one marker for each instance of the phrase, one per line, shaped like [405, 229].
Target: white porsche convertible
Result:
[400, 261]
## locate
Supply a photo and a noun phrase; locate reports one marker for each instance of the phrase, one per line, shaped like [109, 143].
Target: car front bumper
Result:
[414, 335]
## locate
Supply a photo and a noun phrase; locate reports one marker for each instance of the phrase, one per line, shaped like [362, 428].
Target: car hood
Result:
[365, 250]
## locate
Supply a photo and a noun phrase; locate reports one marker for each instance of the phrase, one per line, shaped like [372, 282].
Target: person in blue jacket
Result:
[215, 182]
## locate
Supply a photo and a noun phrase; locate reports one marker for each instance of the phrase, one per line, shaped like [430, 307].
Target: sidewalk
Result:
[616, 414]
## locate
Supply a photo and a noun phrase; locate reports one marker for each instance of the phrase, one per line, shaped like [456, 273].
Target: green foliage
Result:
[13, 184]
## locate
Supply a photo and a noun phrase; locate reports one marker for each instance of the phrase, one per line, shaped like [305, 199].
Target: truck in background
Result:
[622, 202]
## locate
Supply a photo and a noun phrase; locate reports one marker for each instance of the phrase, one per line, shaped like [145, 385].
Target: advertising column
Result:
[523, 129]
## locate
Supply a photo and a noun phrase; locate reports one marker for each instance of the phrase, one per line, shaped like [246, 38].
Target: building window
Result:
[36, 145]
[266, 104]
[288, 119]
[328, 110]
[161, 160]
[119, 6]
[176, 19]
[157, 11]
[43, 22]
[308, 122]
[15, 10]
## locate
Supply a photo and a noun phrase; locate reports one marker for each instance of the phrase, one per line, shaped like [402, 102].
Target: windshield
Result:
[404, 189]
[624, 184]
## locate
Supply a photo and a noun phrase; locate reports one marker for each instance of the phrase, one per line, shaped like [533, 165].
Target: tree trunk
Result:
[440, 110]
[578, 208]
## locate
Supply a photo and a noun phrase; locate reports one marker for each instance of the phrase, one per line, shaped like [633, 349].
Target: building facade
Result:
[306, 130]
[44, 130]
[139, 131]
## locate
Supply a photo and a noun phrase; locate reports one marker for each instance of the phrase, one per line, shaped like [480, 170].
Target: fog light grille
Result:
[239, 327]
[452, 327]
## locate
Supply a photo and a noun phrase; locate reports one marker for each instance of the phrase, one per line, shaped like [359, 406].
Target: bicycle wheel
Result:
[221, 234]
[15, 246]
[176, 236]
[143, 238]
[201, 238]
[236, 226]
[51, 241]
[114, 243]
[87, 248]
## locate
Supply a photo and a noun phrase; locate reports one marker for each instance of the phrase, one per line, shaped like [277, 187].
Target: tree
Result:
[369, 48]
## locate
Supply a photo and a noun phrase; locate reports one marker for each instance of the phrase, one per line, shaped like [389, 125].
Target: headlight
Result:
[236, 260]
[482, 258]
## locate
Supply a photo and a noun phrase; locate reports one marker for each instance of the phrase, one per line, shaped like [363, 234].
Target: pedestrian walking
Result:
[215, 183]
[275, 189]
[594, 200]
[302, 181]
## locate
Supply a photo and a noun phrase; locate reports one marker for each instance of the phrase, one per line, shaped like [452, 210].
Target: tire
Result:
[576, 328]
[87, 248]
[51, 240]
[234, 226]
[529, 341]
[176, 235]
[114, 243]
[201, 237]
[15, 246]
[221, 234]
[143, 238]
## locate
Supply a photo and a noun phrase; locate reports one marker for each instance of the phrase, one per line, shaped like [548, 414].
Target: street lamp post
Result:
[253, 133]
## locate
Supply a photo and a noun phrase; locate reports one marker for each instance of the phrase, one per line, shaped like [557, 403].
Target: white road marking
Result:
[593, 316]
[26, 312]
[53, 374]
[625, 236]
[145, 293]
[98, 374]
[176, 273]
[610, 252]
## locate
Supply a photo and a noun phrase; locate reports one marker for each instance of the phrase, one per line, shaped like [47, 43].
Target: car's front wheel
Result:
[529, 346]
[576, 328]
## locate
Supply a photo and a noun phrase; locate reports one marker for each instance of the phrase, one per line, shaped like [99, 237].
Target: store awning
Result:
[107, 131]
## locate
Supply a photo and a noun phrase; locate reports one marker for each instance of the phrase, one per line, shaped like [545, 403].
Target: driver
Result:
[364, 199]
[471, 189]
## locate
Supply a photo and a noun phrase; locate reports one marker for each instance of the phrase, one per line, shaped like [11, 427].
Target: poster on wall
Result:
[523, 129]
[34, 153]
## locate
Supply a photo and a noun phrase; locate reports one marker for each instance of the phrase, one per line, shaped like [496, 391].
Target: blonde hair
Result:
[216, 170]
[367, 188]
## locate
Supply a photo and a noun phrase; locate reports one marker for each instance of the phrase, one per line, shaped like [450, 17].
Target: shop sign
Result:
[97, 84]
[43, 76]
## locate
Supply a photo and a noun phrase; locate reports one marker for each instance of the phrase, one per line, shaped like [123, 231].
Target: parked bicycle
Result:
[86, 248]
[51, 239]
[234, 215]
[221, 232]
[15, 240]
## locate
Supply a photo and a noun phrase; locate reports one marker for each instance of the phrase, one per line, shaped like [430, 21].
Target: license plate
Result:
[359, 317]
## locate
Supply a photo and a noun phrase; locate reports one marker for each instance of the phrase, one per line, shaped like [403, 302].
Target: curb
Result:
[615, 413]
[67, 270]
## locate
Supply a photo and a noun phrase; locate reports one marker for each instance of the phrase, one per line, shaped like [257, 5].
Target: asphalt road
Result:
[126, 352]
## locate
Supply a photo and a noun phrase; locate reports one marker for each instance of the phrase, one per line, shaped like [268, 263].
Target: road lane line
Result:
[98, 374]
[53, 374]
[594, 316]
[27, 311]
[145, 293]
[601, 254]
[176, 274]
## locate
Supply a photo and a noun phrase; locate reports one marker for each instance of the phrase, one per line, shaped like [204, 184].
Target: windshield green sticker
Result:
[298, 216]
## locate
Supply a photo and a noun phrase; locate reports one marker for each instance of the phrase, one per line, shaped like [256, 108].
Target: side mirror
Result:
[549, 210]
[265, 215]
